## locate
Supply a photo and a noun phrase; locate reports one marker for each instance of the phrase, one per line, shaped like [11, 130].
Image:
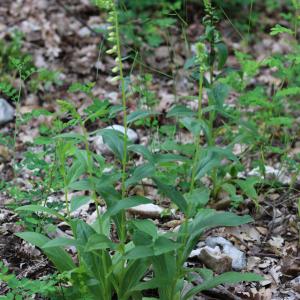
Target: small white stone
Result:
[146, 210]
[195, 253]
[84, 31]
[7, 112]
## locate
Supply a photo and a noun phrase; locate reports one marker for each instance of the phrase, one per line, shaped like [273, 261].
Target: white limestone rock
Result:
[7, 112]
[238, 257]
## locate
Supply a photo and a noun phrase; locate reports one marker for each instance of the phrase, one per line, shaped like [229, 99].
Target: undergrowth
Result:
[118, 256]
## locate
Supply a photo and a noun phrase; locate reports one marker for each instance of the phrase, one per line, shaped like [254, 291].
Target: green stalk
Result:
[124, 106]
[181, 258]
[197, 139]
[16, 127]
[90, 168]
[212, 114]
[123, 91]
[63, 171]
[67, 201]
[296, 14]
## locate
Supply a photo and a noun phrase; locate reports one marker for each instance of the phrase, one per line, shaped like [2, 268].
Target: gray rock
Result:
[214, 259]
[7, 112]
[238, 257]
[102, 148]
[295, 284]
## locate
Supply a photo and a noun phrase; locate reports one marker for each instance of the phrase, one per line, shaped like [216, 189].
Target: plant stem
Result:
[201, 77]
[197, 139]
[65, 189]
[16, 127]
[89, 165]
[123, 91]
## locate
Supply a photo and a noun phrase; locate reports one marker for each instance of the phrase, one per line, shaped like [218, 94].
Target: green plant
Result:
[20, 289]
[120, 257]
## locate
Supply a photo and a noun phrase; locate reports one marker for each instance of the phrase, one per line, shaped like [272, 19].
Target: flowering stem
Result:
[197, 139]
[123, 91]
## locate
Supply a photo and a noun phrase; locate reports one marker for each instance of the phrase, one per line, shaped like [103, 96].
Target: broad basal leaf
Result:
[39, 208]
[60, 258]
[125, 204]
[225, 278]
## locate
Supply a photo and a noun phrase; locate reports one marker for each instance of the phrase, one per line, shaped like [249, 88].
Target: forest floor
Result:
[60, 36]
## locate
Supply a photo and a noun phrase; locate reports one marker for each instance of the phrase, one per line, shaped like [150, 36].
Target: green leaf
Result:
[79, 87]
[134, 272]
[140, 252]
[146, 226]
[39, 208]
[60, 242]
[197, 199]
[96, 110]
[42, 140]
[81, 185]
[74, 172]
[211, 158]
[163, 245]
[125, 204]
[206, 219]
[172, 194]
[225, 278]
[248, 187]
[58, 256]
[195, 126]
[206, 274]
[99, 242]
[142, 150]
[180, 111]
[78, 201]
[231, 190]
[71, 136]
[114, 110]
[222, 52]
[149, 285]
[218, 93]
[256, 97]
[164, 22]
[280, 121]
[206, 164]
[139, 114]
[114, 140]
[280, 29]
[168, 157]
[210, 218]
[165, 266]
[93, 262]
[140, 172]
[290, 91]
